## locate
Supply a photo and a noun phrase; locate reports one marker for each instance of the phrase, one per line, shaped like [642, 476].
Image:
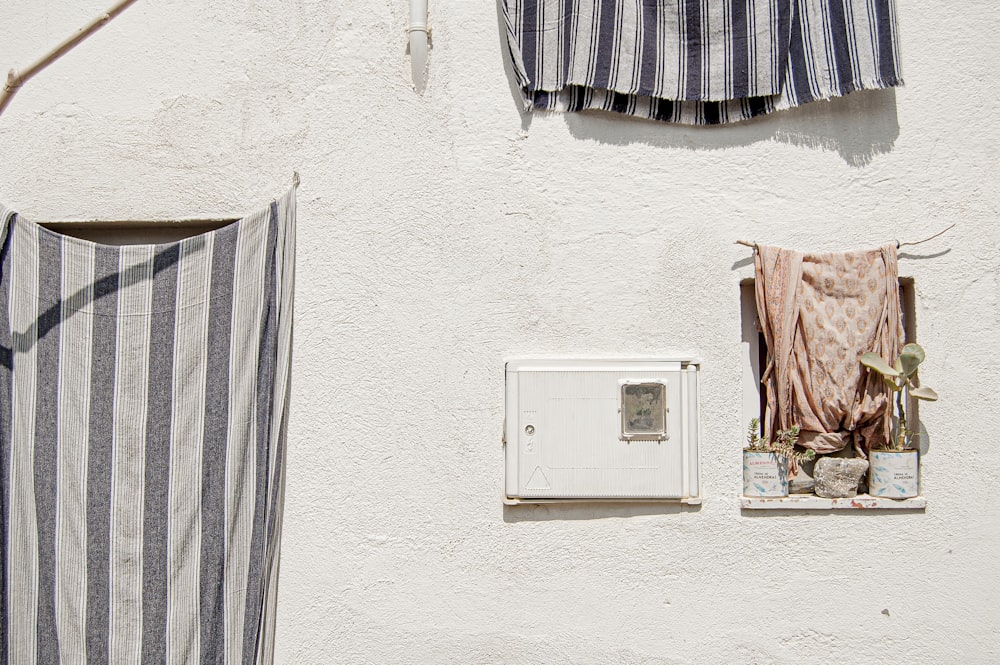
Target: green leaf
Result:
[925, 393]
[910, 358]
[875, 362]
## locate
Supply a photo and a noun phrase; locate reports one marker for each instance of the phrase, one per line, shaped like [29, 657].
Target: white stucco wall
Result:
[439, 234]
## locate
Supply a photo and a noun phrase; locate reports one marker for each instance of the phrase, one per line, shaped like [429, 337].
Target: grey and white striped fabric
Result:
[143, 405]
[700, 62]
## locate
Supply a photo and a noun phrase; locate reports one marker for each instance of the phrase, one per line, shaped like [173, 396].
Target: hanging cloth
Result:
[144, 394]
[700, 62]
[819, 313]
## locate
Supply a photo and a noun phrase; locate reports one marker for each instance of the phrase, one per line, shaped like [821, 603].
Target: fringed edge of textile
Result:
[575, 98]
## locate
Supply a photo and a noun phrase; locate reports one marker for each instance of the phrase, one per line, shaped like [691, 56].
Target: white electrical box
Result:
[602, 430]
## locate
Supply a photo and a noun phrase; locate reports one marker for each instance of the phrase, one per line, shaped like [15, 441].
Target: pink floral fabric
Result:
[819, 313]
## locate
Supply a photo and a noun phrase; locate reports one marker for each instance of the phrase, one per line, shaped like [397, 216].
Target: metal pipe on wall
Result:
[417, 32]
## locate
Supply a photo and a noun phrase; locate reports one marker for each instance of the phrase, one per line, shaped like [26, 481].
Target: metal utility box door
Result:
[602, 430]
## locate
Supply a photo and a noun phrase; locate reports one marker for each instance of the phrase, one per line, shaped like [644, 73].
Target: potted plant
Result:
[894, 468]
[765, 463]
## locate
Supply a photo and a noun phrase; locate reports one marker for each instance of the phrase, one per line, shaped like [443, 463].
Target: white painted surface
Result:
[442, 233]
[813, 502]
[566, 433]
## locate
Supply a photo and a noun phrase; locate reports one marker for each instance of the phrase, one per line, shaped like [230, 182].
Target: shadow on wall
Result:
[858, 126]
[591, 510]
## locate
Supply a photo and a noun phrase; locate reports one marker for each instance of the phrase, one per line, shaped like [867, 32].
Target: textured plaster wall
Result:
[439, 234]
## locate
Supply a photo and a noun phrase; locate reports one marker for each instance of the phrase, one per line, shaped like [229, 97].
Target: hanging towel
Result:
[700, 62]
[819, 313]
[144, 394]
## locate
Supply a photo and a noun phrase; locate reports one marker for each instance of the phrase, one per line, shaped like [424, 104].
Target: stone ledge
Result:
[811, 502]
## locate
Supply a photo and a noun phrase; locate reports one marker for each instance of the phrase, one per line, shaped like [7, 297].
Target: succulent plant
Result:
[783, 443]
[901, 376]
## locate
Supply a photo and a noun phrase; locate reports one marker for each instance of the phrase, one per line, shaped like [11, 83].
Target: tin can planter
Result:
[764, 474]
[894, 474]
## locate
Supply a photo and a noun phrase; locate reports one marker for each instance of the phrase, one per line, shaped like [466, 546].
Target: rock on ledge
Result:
[838, 477]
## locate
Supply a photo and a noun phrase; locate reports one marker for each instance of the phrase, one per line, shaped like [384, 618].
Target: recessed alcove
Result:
[753, 359]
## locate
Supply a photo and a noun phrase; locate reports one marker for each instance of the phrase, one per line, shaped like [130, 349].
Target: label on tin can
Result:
[894, 474]
[764, 474]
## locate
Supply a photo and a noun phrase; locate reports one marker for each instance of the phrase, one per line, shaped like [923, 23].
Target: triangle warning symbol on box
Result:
[537, 481]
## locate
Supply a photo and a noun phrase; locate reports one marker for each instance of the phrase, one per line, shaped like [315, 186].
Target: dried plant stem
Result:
[16, 79]
[917, 242]
[753, 245]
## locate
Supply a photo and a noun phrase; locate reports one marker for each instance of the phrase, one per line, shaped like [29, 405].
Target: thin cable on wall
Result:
[753, 245]
[17, 78]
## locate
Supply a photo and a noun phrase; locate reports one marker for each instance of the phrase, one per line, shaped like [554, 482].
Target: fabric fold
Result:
[818, 314]
[145, 398]
[700, 62]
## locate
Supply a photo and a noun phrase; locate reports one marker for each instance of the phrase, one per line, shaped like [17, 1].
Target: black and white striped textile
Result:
[700, 62]
[143, 404]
